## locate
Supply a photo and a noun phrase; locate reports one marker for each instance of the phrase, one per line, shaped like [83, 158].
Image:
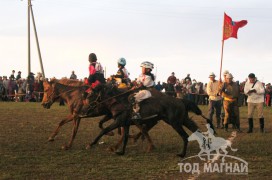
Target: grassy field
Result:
[26, 154]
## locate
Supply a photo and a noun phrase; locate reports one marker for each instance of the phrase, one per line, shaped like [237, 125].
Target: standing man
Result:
[214, 98]
[73, 75]
[230, 92]
[18, 75]
[171, 81]
[254, 89]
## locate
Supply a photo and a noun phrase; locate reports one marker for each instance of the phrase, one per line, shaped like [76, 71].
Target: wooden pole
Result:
[37, 40]
[28, 38]
[222, 50]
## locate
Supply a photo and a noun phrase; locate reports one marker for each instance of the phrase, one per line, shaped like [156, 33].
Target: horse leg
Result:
[102, 121]
[64, 121]
[116, 146]
[74, 132]
[149, 125]
[125, 139]
[183, 135]
[116, 123]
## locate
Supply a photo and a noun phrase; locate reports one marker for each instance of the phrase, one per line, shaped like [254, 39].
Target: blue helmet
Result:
[122, 61]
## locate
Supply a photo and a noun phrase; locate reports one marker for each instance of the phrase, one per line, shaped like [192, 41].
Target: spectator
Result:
[187, 77]
[172, 79]
[230, 93]
[73, 75]
[18, 75]
[178, 89]
[214, 98]
[12, 76]
[255, 92]
[268, 94]
[158, 86]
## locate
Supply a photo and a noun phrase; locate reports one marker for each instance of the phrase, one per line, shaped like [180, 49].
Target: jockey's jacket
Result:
[146, 80]
[95, 68]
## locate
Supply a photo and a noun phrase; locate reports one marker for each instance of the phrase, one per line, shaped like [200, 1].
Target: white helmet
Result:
[147, 64]
[122, 61]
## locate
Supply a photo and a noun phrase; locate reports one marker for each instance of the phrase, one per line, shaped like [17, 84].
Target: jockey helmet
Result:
[122, 61]
[92, 57]
[147, 64]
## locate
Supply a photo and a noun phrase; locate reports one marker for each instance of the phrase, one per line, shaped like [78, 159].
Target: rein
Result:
[101, 102]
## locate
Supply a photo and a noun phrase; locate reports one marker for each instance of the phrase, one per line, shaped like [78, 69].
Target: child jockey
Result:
[122, 75]
[145, 81]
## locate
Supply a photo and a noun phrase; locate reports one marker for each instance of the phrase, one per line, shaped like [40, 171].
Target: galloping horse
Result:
[166, 108]
[71, 91]
[72, 95]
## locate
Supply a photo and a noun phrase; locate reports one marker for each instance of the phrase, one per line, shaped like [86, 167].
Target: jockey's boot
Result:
[226, 126]
[250, 125]
[261, 125]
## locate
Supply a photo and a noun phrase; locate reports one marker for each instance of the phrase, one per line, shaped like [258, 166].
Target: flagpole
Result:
[222, 51]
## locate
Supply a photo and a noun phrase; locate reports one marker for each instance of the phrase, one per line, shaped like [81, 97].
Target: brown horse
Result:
[166, 108]
[71, 92]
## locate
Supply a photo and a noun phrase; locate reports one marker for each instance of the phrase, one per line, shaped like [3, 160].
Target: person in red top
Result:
[172, 79]
[96, 77]
[96, 73]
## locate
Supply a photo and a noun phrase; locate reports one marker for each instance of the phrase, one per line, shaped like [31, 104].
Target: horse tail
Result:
[191, 106]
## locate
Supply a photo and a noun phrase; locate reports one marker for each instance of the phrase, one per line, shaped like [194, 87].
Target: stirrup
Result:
[136, 116]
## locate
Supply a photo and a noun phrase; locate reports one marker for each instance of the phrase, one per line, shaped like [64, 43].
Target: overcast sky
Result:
[176, 35]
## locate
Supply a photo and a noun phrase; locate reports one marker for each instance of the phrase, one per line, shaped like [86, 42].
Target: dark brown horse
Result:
[166, 108]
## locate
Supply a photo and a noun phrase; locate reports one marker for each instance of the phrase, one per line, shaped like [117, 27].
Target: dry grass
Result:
[26, 154]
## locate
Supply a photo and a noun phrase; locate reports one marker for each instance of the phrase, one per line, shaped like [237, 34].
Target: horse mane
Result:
[69, 82]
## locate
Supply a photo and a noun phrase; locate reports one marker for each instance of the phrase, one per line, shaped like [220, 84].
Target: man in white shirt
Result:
[254, 89]
[214, 98]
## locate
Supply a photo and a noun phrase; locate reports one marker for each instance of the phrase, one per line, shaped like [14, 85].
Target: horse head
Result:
[50, 94]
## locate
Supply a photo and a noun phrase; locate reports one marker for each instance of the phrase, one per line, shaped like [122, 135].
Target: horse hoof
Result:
[110, 133]
[50, 139]
[151, 148]
[182, 155]
[111, 149]
[119, 153]
[88, 146]
[64, 147]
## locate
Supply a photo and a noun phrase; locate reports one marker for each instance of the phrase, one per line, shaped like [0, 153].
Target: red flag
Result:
[231, 27]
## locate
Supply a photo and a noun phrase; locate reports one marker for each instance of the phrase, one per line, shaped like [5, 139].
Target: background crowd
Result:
[17, 88]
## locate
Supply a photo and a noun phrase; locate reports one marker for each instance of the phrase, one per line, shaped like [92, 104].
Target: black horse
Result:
[169, 109]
